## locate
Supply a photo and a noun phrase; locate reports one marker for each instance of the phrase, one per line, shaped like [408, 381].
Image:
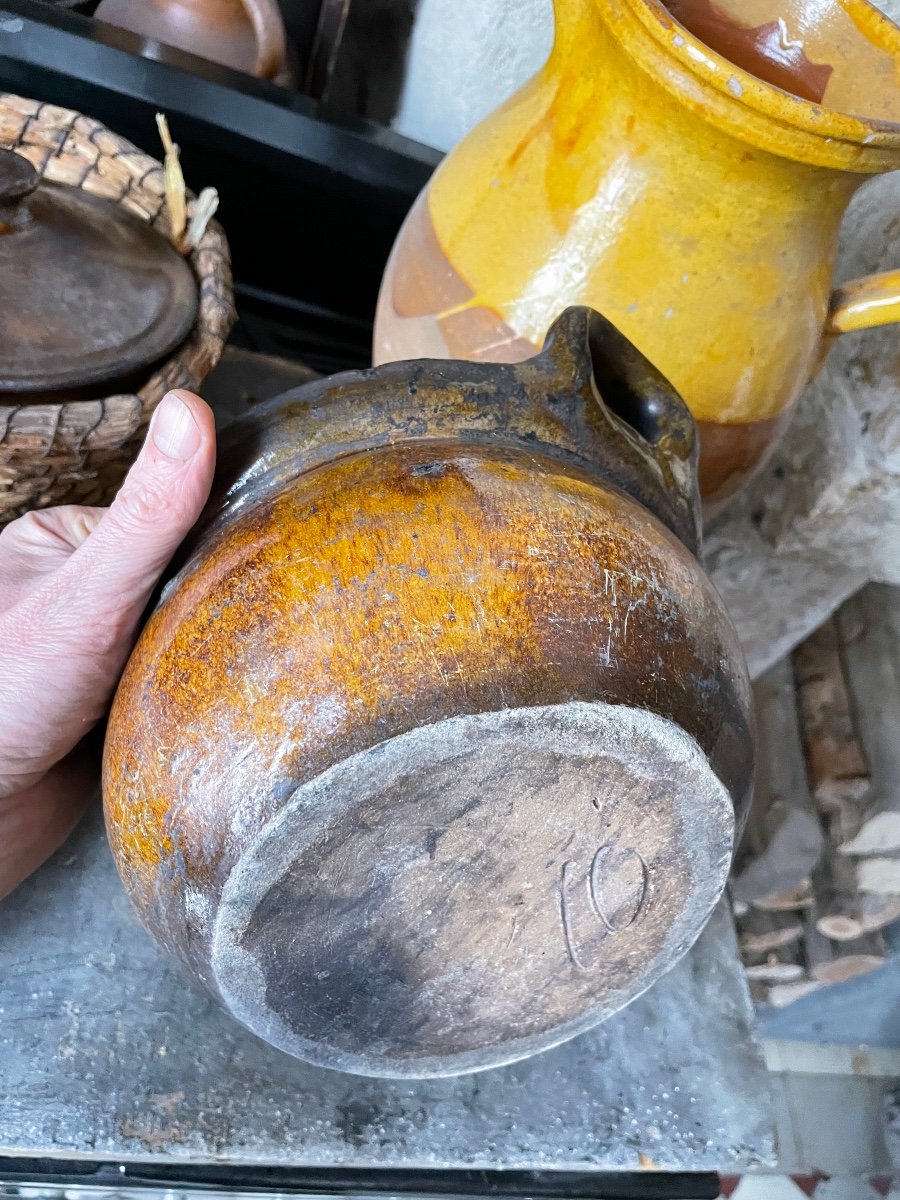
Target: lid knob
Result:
[18, 178]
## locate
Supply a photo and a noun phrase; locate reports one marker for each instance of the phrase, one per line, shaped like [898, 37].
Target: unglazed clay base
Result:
[474, 891]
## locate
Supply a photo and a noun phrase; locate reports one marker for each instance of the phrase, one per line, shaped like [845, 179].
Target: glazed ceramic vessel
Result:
[433, 752]
[692, 194]
[247, 35]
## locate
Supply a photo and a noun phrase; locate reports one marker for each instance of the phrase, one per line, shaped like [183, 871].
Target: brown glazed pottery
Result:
[247, 35]
[432, 753]
[90, 295]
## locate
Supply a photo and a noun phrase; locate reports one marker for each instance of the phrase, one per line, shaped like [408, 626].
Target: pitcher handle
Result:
[865, 303]
[268, 29]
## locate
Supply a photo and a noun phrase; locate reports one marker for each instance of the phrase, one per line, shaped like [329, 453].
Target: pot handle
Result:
[268, 29]
[632, 424]
[865, 303]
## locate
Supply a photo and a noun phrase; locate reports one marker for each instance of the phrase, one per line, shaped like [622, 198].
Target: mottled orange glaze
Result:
[383, 590]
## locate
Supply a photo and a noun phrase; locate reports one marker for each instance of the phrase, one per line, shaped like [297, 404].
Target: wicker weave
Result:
[78, 453]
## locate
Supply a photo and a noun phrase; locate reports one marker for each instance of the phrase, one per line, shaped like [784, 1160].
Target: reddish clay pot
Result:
[247, 35]
[432, 753]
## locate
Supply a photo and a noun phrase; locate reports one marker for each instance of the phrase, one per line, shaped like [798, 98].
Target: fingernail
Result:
[173, 428]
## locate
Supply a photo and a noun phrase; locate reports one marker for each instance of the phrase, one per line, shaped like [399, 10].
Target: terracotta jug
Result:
[247, 35]
[432, 753]
[674, 187]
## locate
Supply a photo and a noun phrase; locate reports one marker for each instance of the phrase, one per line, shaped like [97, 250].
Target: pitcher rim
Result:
[757, 111]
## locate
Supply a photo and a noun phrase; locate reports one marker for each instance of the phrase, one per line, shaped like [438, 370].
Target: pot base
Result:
[475, 890]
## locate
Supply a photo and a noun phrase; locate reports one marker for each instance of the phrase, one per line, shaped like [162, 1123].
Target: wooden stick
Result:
[176, 201]
[879, 911]
[840, 781]
[775, 972]
[784, 837]
[824, 924]
[840, 928]
[836, 760]
[869, 628]
[774, 939]
[817, 946]
[870, 631]
[793, 900]
[842, 969]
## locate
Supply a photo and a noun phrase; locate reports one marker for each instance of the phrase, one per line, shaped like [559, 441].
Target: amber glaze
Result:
[425, 605]
[692, 201]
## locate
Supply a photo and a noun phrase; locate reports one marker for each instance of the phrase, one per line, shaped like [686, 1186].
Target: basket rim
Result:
[53, 138]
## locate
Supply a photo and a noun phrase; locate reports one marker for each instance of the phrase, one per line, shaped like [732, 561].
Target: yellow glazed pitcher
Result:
[692, 195]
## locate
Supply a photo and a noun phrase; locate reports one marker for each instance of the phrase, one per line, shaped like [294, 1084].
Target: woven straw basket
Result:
[79, 452]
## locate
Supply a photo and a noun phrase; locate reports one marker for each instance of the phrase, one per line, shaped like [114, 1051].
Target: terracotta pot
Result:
[247, 35]
[675, 188]
[432, 754]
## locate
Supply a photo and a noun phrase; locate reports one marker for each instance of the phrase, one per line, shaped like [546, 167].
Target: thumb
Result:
[72, 633]
[117, 567]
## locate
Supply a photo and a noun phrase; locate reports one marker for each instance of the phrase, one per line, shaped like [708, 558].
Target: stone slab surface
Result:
[108, 1053]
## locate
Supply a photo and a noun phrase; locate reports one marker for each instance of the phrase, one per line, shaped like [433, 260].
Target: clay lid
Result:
[89, 293]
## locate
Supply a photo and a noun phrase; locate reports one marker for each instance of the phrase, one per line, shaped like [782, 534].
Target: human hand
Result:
[74, 582]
